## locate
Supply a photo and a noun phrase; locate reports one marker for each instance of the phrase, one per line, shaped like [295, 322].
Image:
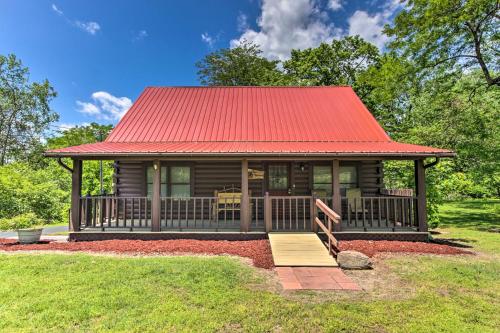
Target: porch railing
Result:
[115, 212]
[134, 213]
[378, 212]
[270, 213]
[291, 213]
[211, 213]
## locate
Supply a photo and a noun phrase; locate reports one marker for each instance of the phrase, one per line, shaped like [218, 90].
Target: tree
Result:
[91, 169]
[79, 135]
[455, 34]
[25, 113]
[446, 114]
[339, 63]
[240, 66]
[392, 84]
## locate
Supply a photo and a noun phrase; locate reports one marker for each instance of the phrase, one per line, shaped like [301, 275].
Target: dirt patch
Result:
[371, 248]
[379, 283]
[257, 250]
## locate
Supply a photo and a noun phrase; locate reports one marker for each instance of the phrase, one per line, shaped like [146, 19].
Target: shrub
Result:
[24, 190]
[23, 221]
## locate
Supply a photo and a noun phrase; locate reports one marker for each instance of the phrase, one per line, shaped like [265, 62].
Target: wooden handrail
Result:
[327, 210]
[332, 217]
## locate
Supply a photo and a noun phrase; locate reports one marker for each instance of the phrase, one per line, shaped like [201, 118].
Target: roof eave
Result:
[252, 154]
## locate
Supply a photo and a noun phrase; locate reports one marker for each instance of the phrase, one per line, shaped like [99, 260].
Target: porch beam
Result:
[76, 192]
[245, 199]
[156, 200]
[421, 195]
[337, 200]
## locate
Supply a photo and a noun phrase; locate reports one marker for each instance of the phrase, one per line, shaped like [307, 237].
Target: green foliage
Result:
[456, 114]
[81, 135]
[240, 66]
[449, 35]
[391, 84]
[24, 190]
[339, 63]
[23, 221]
[401, 174]
[25, 113]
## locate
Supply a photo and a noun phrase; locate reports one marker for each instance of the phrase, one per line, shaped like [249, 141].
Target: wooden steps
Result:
[299, 249]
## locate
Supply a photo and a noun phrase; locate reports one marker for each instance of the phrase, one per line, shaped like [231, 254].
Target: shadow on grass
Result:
[454, 242]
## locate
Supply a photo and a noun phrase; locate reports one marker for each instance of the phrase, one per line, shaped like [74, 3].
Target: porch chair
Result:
[228, 200]
[354, 201]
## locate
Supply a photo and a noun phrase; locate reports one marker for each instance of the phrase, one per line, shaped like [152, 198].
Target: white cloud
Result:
[105, 106]
[371, 27]
[90, 27]
[67, 126]
[368, 27]
[242, 22]
[335, 5]
[209, 40]
[57, 10]
[285, 25]
[140, 35]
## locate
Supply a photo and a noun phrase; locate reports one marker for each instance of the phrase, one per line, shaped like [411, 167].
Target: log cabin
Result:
[240, 162]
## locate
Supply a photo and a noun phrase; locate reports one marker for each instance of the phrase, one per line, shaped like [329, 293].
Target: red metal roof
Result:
[248, 120]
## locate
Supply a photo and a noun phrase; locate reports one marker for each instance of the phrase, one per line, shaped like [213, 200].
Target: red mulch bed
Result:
[257, 250]
[371, 248]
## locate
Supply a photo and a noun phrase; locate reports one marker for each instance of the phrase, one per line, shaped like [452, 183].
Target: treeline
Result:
[29, 183]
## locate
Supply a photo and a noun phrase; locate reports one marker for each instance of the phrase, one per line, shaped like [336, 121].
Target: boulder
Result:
[353, 260]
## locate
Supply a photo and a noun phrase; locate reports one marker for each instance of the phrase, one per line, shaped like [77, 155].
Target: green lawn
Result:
[472, 222]
[219, 294]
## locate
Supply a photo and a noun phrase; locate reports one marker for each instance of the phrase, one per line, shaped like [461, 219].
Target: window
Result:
[180, 177]
[348, 176]
[322, 180]
[163, 181]
[175, 184]
[278, 177]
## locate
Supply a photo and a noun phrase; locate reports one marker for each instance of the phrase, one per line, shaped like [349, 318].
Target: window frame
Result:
[169, 182]
[312, 177]
[283, 191]
[356, 184]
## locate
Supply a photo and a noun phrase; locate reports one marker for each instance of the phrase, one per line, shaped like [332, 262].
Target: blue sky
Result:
[99, 55]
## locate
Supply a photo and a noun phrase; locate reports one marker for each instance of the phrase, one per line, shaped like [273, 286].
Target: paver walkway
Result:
[317, 278]
[299, 249]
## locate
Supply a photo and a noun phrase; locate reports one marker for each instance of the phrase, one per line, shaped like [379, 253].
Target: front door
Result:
[278, 179]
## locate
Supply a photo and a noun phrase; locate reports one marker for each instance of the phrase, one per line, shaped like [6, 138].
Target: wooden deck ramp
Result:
[299, 249]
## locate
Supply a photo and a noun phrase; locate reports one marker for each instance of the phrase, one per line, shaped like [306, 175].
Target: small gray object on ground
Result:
[353, 260]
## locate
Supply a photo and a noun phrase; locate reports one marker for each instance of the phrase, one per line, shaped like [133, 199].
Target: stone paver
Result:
[315, 278]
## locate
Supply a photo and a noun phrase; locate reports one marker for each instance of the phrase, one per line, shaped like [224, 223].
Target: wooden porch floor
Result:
[299, 249]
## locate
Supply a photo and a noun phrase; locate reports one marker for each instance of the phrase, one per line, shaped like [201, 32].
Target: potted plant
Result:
[28, 226]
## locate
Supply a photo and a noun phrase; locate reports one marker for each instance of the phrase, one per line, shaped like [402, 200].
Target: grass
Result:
[81, 292]
[474, 223]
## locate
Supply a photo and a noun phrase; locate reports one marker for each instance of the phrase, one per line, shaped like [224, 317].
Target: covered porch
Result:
[249, 196]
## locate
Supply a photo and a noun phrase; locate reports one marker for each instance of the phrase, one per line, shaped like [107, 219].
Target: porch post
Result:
[337, 200]
[268, 214]
[245, 200]
[156, 200]
[421, 195]
[76, 191]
